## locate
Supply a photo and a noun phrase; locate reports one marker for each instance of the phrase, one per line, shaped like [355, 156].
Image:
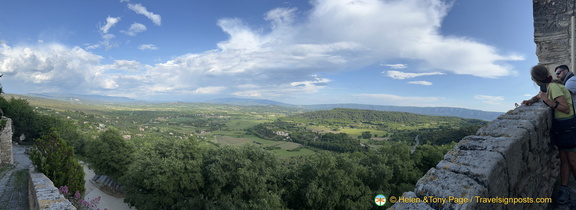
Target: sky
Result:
[473, 54]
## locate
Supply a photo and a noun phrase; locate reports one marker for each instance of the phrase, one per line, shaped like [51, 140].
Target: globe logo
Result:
[380, 200]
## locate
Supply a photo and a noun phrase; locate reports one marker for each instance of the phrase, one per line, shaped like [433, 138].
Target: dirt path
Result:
[14, 181]
[107, 201]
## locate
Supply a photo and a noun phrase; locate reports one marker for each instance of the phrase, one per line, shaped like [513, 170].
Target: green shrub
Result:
[53, 157]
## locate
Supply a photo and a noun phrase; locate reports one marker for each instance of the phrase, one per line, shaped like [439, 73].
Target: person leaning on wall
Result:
[557, 97]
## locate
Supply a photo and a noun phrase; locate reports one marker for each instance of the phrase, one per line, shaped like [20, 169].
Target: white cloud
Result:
[404, 75]
[107, 41]
[110, 21]
[124, 65]
[139, 9]
[134, 29]
[287, 58]
[50, 67]
[109, 84]
[396, 66]
[420, 83]
[209, 90]
[489, 99]
[147, 47]
[408, 29]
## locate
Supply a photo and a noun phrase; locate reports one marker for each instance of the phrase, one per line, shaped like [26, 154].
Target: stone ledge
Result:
[44, 195]
[511, 157]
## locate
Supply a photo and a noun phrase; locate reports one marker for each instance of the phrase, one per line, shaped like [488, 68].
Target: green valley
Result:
[245, 156]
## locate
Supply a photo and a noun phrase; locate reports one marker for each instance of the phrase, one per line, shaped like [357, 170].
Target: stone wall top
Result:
[511, 157]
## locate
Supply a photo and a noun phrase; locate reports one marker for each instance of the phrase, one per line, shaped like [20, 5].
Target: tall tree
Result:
[165, 175]
[110, 154]
[53, 157]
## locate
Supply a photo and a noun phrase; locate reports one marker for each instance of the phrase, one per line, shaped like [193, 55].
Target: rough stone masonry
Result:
[511, 157]
[6, 155]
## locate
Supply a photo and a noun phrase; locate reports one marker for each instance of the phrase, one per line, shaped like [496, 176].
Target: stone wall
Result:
[511, 157]
[552, 27]
[44, 195]
[6, 155]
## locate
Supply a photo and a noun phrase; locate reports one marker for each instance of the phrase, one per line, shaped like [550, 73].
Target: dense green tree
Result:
[427, 156]
[53, 157]
[366, 135]
[165, 175]
[241, 178]
[110, 154]
[25, 120]
[328, 181]
[67, 129]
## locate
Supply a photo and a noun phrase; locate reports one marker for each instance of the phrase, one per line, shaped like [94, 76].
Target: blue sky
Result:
[464, 53]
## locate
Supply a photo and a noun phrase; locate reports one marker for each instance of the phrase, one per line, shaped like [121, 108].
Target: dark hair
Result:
[541, 74]
[563, 67]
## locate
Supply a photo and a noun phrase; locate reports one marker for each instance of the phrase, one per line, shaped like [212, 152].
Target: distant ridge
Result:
[84, 98]
[248, 102]
[434, 111]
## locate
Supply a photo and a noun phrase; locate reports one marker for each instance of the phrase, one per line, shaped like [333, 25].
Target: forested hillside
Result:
[346, 116]
[335, 129]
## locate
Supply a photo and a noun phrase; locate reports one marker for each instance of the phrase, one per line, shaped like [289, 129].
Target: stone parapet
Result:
[44, 195]
[552, 31]
[511, 157]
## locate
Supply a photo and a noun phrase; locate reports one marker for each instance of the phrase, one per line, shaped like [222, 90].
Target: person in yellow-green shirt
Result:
[557, 97]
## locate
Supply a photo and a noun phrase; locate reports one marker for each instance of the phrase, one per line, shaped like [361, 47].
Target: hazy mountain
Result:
[248, 102]
[84, 98]
[435, 111]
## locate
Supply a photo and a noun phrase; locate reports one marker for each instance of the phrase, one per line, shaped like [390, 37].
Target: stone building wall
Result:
[511, 157]
[6, 155]
[552, 27]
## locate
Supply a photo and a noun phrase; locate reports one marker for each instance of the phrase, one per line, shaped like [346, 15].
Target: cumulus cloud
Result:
[420, 83]
[407, 29]
[147, 47]
[404, 75]
[292, 55]
[110, 21]
[134, 29]
[139, 9]
[489, 99]
[124, 65]
[49, 66]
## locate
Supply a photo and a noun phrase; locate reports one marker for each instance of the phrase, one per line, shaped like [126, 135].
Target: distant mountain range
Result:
[435, 111]
[84, 98]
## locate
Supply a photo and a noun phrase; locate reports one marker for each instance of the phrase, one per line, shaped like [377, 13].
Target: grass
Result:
[286, 148]
[21, 179]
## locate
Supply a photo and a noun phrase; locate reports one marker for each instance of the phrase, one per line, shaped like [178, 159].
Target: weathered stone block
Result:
[410, 205]
[447, 184]
[487, 168]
